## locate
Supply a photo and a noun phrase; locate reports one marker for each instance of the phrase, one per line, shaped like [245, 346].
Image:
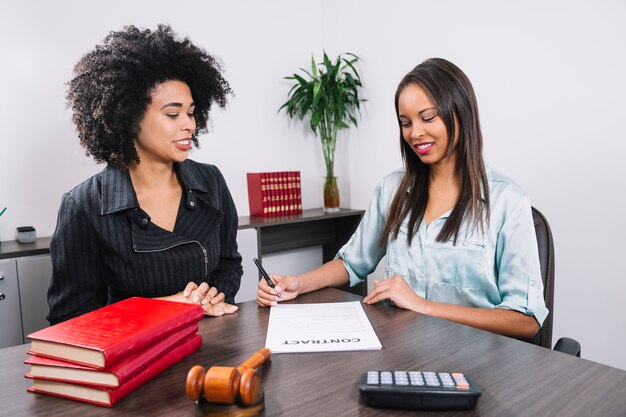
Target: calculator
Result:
[415, 390]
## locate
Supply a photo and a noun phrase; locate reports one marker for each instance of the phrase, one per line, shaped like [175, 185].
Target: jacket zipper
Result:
[206, 257]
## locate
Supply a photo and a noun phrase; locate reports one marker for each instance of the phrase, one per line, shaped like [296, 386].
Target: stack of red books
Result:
[102, 356]
[274, 193]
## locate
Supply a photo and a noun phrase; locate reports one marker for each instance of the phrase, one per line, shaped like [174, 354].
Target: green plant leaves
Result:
[329, 95]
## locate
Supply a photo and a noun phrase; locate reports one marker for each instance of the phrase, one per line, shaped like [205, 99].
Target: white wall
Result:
[550, 79]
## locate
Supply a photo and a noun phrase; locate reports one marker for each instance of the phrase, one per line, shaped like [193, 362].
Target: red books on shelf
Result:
[102, 337]
[257, 194]
[112, 377]
[274, 193]
[108, 397]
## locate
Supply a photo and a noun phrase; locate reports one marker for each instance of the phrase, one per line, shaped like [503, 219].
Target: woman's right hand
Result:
[287, 286]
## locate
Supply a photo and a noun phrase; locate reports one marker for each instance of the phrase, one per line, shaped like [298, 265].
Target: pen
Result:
[265, 275]
[3, 210]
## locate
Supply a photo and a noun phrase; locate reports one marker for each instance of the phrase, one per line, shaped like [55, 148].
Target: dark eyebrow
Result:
[179, 105]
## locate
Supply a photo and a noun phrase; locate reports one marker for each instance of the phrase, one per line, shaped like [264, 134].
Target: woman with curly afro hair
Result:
[153, 223]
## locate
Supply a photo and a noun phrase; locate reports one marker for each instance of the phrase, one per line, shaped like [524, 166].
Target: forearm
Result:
[331, 274]
[497, 320]
[227, 279]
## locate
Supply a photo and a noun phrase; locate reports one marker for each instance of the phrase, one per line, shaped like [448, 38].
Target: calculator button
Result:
[400, 375]
[385, 377]
[432, 382]
[372, 378]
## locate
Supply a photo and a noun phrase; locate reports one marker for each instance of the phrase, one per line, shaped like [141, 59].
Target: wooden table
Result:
[516, 378]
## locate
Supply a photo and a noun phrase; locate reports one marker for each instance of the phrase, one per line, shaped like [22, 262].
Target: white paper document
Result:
[320, 327]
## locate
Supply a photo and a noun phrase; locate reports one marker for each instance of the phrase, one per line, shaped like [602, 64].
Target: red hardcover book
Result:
[265, 193]
[257, 193]
[271, 194]
[113, 377]
[108, 397]
[298, 202]
[102, 337]
[291, 178]
[284, 178]
[279, 194]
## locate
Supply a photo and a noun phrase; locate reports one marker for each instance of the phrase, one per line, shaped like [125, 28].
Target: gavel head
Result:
[223, 385]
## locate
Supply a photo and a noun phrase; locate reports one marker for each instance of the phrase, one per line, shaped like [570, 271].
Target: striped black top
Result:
[105, 248]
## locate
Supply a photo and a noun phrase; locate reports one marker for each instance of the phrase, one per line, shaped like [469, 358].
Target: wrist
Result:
[423, 306]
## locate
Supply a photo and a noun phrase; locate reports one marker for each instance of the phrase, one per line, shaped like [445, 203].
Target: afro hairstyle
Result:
[110, 91]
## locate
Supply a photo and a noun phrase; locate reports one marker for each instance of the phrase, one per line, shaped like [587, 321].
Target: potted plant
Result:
[329, 96]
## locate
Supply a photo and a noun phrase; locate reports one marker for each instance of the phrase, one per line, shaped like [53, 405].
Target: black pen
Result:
[265, 275]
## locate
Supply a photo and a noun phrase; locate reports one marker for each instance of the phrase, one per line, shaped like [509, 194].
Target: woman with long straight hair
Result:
[459, 237]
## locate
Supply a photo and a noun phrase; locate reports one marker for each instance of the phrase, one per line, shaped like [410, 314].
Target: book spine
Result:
[255, 193]
[273, 194]
[298, 193]
[282, 191]
[265, 199]
[291, 192]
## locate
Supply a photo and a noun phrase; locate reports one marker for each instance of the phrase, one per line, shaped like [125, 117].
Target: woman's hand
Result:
[397, 290]
[211, 301]
[219, 309]
[287, 286]
[202, 294]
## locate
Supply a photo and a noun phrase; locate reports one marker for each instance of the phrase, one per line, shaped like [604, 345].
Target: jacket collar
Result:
[118, 193]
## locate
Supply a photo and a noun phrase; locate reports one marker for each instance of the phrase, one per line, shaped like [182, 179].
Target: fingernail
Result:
[186, 293]
[205, 302]
[196, 299]
[273, 303]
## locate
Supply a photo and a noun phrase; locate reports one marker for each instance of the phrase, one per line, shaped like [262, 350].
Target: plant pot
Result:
[331, 195]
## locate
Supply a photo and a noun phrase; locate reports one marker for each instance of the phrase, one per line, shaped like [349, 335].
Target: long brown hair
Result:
[453, 96]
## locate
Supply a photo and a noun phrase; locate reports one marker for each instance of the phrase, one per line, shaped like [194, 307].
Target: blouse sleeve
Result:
[517, 260]
[362, 253]
[76, 286]
[226, 277]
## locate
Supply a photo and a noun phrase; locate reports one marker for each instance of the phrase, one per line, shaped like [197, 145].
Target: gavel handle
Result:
[257, 359]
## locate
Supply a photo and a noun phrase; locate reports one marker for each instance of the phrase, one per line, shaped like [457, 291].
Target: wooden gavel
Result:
[221, 384]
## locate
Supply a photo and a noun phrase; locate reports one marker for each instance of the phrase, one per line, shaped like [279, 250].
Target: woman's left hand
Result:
[397, 290]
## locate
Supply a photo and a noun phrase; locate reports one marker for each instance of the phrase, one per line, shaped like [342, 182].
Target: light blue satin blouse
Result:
[498, 268]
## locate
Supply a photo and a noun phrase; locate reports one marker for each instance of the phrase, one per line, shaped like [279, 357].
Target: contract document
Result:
[320, 327]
